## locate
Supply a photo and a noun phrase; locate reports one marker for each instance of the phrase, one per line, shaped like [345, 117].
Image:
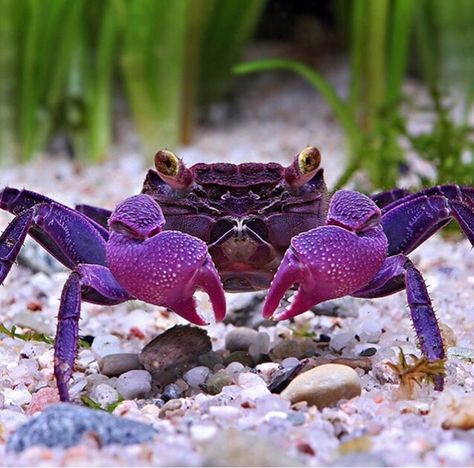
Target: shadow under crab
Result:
[230, 227]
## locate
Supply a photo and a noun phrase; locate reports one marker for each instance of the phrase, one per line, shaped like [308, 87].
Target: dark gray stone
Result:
[175, 351]
[171, 392]
[114, 365]
[63, 425]
[240, 339]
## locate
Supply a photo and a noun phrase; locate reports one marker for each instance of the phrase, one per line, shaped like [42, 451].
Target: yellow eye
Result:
[167, 163]
[309, 160]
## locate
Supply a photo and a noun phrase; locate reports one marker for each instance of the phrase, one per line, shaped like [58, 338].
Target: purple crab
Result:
[244, 227]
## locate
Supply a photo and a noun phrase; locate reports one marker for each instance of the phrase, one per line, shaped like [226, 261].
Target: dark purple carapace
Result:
[247, 214]
[240, 228]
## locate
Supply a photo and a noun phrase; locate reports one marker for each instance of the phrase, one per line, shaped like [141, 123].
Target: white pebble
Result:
[18, 396]
[134, 384]
[341, 340]
[324, 385]
[104, 345]
[234, 368]
[261, 345]
[369, 331]
[104, 394]
[252, 393]
[202, 432]
[196, 376]
[290, 362]
[249, 380]
[454, 451]
[224, 413]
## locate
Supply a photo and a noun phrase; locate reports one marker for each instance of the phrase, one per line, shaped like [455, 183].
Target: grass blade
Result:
[8, 71]
[341, 110]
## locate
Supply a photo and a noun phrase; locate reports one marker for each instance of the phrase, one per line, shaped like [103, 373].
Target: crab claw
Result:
[161, 268]
[330, 261]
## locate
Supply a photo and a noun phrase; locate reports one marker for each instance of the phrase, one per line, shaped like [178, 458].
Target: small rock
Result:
[104, 345]
[210, 359]
[104, 394]
[239, 356]
[240, 339]
[216, 382]
[449, 337]
[290, 362]
[459, 352]
[95, 379]
[368, 352]
[114, 365]
[324, 385]
[238, 448]
[298, 349]
[235, 368]
[283, 377]
[19, 396]
[455, 453]
[461, 414]
[253, 386]
[341, 340]
[42, 398]
[296, 418]
[224, 413]
[202, 432]
[359, 459]
[260, 347]
[175, 350]
[369, 331]
[64, 425]
[171, 392]
[134, 384]
[197, 376]
[171, 406]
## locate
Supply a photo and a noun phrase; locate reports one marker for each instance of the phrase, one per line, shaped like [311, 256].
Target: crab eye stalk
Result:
[303, 168]
[172, 170]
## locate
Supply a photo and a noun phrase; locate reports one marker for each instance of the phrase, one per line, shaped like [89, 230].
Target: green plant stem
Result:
[100, 86]
[8, 54]
[402, 21]
[341, 110]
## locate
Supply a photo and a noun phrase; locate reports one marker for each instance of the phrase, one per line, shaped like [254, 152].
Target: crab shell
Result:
[247, 214]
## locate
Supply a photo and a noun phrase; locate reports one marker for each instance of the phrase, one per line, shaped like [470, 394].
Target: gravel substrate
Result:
[223, 406]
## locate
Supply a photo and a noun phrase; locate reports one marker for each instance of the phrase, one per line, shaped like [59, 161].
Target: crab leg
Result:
[383, 199]
[398, 272]
[410, 223]
[162, 268]
[97, 214]
[65, 233]
[97, 285]
[332, 260]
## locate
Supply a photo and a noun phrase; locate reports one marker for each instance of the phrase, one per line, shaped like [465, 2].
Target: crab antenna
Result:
[303, 167]
[172, 170]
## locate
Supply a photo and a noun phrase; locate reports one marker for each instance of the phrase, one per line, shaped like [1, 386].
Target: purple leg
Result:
[383, 199]
[97, 285]
[333, 260]
[398, 272]
[410, 221]
[66, 234]
[99, 215]
[452, 192]
[12, 239]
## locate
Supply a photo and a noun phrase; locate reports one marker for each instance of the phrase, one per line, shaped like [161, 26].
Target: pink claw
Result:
[163, 268]
[326, 263]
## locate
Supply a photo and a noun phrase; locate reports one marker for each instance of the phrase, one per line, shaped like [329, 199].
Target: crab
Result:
[226, 227]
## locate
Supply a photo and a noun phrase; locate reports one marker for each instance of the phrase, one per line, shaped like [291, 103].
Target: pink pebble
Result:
[42, 398]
